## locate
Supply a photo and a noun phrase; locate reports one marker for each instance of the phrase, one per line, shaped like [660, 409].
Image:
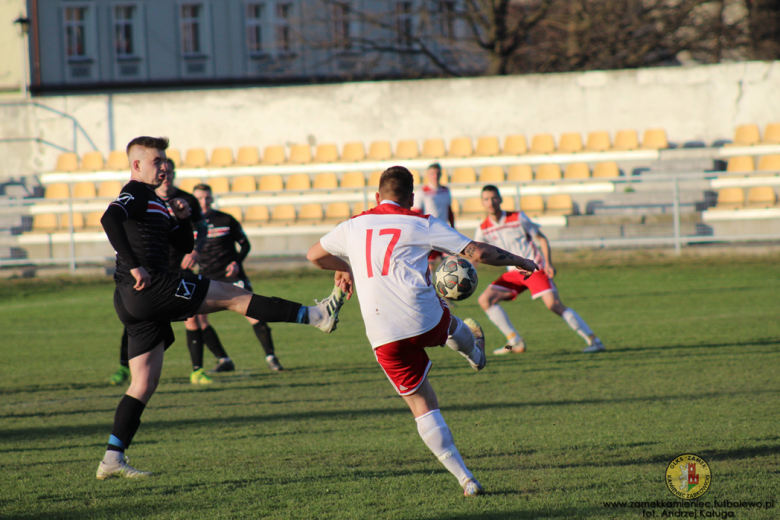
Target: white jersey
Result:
[514, 232]
[435, 202]
[388, 248]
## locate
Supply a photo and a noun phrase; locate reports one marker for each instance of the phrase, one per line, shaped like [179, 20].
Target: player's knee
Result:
[485, 301]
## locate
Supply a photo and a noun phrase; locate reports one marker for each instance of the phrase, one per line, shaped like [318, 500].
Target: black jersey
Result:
[196, 215]
[224, 232]
[141, 229]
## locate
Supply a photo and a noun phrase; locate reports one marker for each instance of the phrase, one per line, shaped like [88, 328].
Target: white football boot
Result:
[120, 469]
[330, 308]
[473, 488]
[595, 346]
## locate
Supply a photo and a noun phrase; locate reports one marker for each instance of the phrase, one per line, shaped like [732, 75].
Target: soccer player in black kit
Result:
[220, 261]
[148, 298]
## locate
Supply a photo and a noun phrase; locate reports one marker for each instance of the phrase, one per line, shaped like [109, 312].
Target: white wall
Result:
[700, 103]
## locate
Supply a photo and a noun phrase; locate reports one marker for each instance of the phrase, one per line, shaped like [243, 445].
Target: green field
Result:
[693, 366]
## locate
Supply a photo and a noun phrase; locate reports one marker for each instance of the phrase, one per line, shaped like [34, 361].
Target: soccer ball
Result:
[456, 279]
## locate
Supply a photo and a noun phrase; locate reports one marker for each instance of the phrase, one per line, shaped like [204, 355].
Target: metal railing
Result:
[76, 128]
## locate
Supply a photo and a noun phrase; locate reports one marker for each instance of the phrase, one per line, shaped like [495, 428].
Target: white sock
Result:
[113, 457]
[461, 340]
[574, 321]
[437, 436]
[500, 319]
[315, 315]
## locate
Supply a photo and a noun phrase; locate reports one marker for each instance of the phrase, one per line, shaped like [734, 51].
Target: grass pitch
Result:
[692, 367]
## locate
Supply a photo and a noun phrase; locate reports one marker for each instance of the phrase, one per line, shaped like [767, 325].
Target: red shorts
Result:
[405, 361]
[435, 255]
[513, 281]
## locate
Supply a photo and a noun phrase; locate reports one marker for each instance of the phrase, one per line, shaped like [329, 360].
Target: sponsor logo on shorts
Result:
[688, 477]
[185, 290]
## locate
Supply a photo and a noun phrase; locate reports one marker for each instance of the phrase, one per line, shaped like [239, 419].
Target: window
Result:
[255, 17]
[342, 31]
[446, 19]
[404, 31]
[283, 28]
[191, 26]
[124, 34]
[75, 33]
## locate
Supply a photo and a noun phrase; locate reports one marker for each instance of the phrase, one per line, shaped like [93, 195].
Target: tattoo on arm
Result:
[500, 253]
[470, 250]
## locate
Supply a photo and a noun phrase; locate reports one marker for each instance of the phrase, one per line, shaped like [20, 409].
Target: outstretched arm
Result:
[492, 255]
[324, 260]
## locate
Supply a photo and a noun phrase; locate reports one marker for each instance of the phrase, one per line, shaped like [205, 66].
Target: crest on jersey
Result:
[124, 198]
[185, 290]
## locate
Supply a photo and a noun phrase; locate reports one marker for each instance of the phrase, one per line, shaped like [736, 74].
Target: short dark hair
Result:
[396, 183]
[156, 143]
[202, 187]
[435, 166]
[490, 187]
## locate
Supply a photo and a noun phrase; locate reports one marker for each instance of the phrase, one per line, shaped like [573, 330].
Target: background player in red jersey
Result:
[434, 199]
[515, 232]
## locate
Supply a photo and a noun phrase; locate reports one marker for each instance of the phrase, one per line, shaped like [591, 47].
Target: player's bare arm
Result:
[324, 260]
[492, 255]
[544, 245]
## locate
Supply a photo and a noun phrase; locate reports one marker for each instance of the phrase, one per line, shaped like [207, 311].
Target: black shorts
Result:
[147, 314]
[238, 280]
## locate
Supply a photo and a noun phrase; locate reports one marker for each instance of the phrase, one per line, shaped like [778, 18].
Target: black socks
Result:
[263, 333]
[126, 422]
[211, 340]
[273, 310]
[195, 346]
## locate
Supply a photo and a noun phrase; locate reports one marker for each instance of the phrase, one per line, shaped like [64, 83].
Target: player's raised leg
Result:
[573, 320]
[467, 339]
[489, 301]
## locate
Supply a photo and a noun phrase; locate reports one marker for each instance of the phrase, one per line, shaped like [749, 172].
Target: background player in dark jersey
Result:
[148, 298]
[220, 261]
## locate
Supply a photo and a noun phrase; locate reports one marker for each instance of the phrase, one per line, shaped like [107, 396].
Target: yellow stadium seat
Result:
[78, 221]
[598, 141]
[542, 143]
[284, 213]
[84, 190]
[491, 174]
[560, 204]
[571, 142]
[654, 139]
[243, 184]
[508, 202]
[740, 163]
[515, 145]
[45, 223]
[256, 215]
[730, 198]
[772, 134]
[270, 183]
[274, 155]
[174, 155]
[769, 163]
[93, 220]
[353, 152]
[747, 135]
[380, 151]
[189, 183]
[92, 162]
[219, 184]
[117, 160]
[433, 148]
[444, 178]
[520, 173]
[487, 146]
[455, 207]
[461, 147]
[248, 156]
[310, 212]
[472, 206]
[300, 154]
[415, 176]
[532, 205]
[67, 162]
[353, 180]
[577, 170]
[337, 211]
[373, 179]
[407, 149]
[325, 181]
[221, 157]
[606, 169]
[233, 211]
[761, 197]
[326, 153]
[548, 172]
[626, 140]
[463, 175]
[299, 182]
[195, 158]
[109, 189]
[57, 191]
[360, 207]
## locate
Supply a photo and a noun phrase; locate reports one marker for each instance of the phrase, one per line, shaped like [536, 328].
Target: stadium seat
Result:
[78, 222]
[472, 208]
[244, 184]
[353, 152]
[407, 149]
[514, 145]
[45, 223]
[353, 180]
[460, 147]
[189, 183]
[373, 179]
[219, 184]
[109, 189]
[740, 163]
[577, 170]
[542, 143]
[730, 198]
[559, 204]
[769, 163]
[174, 155]
[270, 183]
[626, 140]
[92, 162]
[221, 157]
[274, 155]
[67, 162]
[326, 153]
[283, 214]
[598, 141]
[415, 177]
[433, 148]
[771, 134]
[463, 175]
[570, 142]
[380, 151]
[84, 190]
[360, 207]
[256, 215]
[298, 182]
[445, 178]
[508, 202]
[195, 158]
[487, 146]
[747, 135]
[532, 205]
[117, 160]
[455, 207]
[93, 220]
[337, 211]
[608, 169]
[491, 174]
[57, 191]
[300, 154]
[761, 197]
[520, 173]
[233, 211]
[654, 139]
[310, 213]
[325, 181]
[248, 156]
[548, 172]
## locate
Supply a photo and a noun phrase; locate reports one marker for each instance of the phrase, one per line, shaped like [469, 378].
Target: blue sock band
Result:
[303, 315]
[114, 441]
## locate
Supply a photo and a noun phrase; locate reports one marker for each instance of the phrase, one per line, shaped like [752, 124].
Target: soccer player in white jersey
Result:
[434, 199]
[387, 248]
[515, 232]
